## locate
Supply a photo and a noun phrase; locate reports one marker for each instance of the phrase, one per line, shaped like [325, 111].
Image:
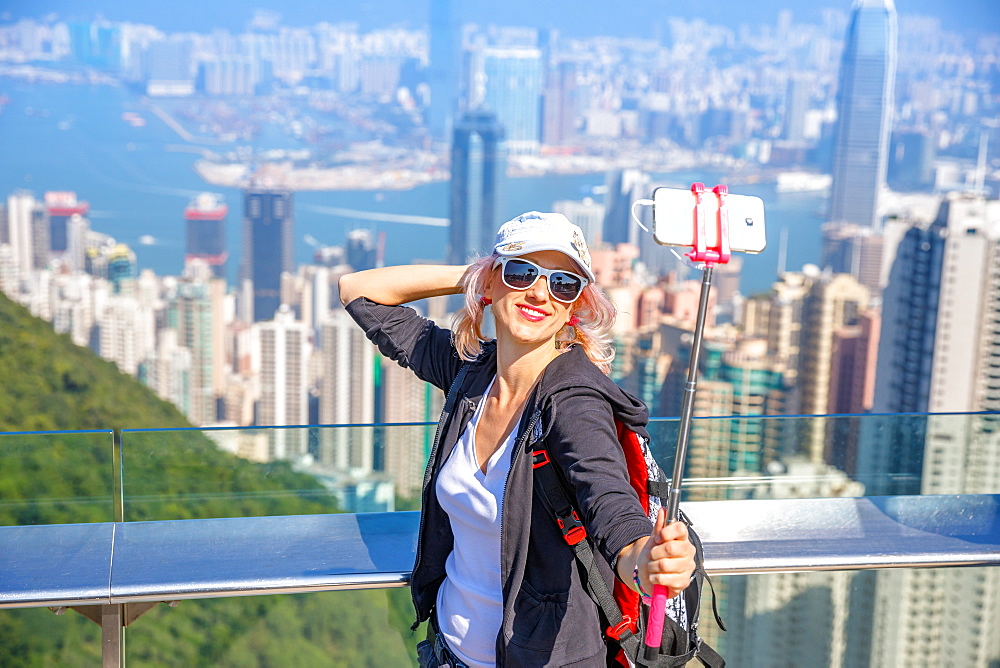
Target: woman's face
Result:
[531, 316]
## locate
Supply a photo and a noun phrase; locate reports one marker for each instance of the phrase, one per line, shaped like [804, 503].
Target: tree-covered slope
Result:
[49, 384]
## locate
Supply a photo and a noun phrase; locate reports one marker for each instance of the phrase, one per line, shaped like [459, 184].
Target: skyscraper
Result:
[864, 112]
[511, 86]
[268, 236]
[478, 171]
[205, 228]
[443, 72]
[61, 206]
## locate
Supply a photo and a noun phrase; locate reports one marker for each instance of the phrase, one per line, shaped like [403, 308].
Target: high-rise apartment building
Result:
[190, 314]
[205, 231]
[741, 380]
[406, 398]
[268, 246]
[22, 223]
[126, 333]
[939, 353]
[508, 82]
[864, 113]
[478, 172]
[347, 394]
[284, 382]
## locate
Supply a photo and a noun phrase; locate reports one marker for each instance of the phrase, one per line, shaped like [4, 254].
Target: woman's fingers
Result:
[671, 557]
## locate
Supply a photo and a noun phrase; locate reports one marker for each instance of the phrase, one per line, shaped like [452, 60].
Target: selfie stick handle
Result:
[710, 256]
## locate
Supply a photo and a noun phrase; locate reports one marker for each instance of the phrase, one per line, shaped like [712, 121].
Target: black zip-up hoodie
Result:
[549, 619]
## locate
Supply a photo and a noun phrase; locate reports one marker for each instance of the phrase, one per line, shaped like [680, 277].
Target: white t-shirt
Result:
[470, 600]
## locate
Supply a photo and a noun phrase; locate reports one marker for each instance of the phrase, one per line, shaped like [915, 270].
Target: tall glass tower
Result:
[864, 111]
[478, 169]
[512, 80]
[443, 72]
[268, 235]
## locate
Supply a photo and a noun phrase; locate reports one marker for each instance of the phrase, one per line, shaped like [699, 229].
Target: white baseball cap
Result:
[533, 231]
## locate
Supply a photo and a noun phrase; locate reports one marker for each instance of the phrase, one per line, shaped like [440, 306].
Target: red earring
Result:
[485, 301]
[573, 321]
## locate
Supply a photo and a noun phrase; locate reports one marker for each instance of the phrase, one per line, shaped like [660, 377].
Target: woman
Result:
[493, 572]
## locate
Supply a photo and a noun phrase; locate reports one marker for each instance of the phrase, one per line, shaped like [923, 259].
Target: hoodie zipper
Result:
[528, 431]
[428, 472]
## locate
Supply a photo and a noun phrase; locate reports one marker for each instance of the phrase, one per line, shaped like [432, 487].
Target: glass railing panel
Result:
[36, 637]
[178, 474]
[835, 618]
[345, 628]
[57, 477]
[834, 455]
[858, 619]
[253, 472]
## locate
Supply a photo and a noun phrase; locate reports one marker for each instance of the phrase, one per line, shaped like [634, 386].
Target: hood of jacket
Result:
[574, 373]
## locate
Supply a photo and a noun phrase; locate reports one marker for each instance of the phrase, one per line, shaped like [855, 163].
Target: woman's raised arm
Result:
[402, 283]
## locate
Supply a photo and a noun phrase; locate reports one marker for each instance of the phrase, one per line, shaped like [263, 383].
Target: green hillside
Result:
[50, 384]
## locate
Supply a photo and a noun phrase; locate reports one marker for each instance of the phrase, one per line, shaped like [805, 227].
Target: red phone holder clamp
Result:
[720, 253]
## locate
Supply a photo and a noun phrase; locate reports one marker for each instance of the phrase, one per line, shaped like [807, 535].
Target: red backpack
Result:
[622, 608]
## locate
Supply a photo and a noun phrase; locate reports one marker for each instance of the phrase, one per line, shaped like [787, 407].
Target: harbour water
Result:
[139, 177]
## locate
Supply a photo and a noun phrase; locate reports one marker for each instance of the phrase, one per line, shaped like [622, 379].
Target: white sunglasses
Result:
[520, 274]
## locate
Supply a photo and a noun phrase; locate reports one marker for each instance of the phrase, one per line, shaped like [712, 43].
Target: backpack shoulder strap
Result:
[553, 493]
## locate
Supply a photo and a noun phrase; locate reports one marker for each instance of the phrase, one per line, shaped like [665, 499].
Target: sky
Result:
[572, 17]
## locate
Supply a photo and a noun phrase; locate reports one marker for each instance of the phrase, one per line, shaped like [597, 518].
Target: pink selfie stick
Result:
[710, 256]
[654, 628]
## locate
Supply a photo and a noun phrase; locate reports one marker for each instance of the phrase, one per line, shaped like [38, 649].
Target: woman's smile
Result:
[531, 313]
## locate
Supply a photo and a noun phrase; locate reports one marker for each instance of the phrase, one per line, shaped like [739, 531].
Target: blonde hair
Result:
[594, 310]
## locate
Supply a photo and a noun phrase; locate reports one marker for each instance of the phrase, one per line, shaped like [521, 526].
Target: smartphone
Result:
[674, 219]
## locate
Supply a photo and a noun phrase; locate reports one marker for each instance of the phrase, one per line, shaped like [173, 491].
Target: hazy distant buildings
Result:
[205, 231]
[170, 69]
[122, 269]
[268, 246]
[478, 172]
[854, 249]
[911, 161]
[796, 108]
[560, 104]
[864, 112]
[362, 253]
[586, 213]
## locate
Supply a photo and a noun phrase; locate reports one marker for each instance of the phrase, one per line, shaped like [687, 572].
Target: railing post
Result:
[112, 637]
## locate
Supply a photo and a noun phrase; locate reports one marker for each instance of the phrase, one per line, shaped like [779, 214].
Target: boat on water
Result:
[802, 182]
[133, 119]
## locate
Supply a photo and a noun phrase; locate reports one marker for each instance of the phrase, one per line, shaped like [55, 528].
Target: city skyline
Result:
[128, 139]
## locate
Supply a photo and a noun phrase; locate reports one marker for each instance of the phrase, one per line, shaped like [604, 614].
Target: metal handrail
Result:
[114, 563]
